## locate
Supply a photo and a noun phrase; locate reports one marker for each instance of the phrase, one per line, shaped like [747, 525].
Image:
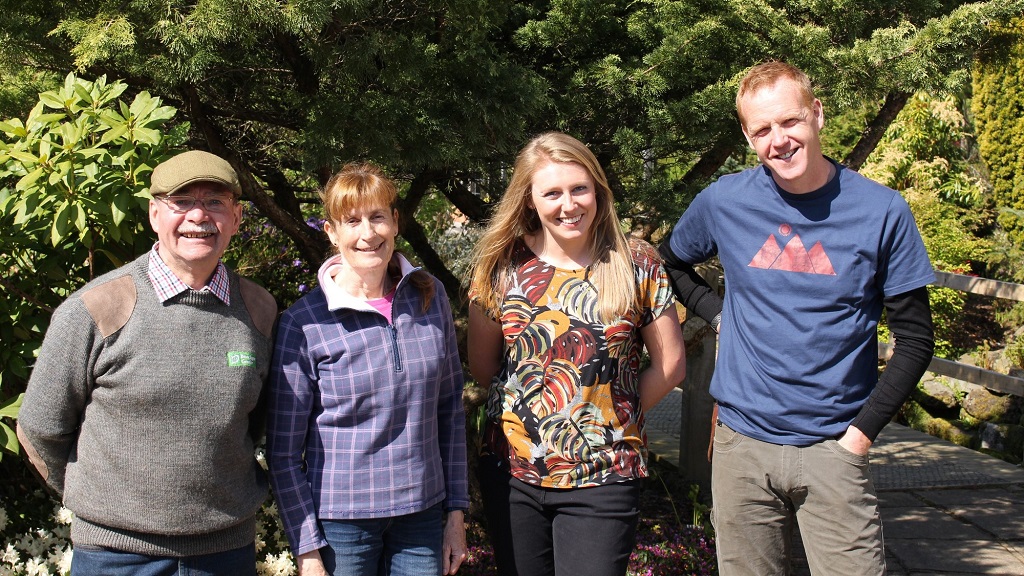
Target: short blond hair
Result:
[767, 75]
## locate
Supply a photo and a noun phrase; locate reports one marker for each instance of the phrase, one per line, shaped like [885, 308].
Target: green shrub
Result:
[74, 178]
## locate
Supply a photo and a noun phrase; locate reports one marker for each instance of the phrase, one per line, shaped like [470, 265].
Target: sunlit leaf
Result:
[29, 180]
[9, 408]
[143, 105]
[119, 208]
[61, 223]
[78, 216]
[8, 439]
[24, 157]
[12, 127]
[147, 136]
[52, 99]
[114, 133]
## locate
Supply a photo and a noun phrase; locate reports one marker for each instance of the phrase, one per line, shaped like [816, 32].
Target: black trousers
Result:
[558, 532]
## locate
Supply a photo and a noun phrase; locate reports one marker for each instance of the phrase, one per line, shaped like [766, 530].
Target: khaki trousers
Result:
[761, 491]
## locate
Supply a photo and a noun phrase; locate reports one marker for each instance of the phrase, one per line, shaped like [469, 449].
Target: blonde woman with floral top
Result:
[563, 305]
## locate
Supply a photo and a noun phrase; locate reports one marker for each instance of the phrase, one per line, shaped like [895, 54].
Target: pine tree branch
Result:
[312, 245]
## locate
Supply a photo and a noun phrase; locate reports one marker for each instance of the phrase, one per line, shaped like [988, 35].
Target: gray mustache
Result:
[204, 228]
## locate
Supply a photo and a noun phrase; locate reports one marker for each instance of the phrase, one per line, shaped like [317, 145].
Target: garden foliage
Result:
[443, 93]
[925, 155]
[998, 109]
[74, 176]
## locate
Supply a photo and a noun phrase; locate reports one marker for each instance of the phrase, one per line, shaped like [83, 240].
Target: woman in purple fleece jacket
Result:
[366, 432]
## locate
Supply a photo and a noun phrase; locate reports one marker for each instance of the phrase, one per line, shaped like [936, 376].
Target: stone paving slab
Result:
[946, 510]
[957, 556]
[922, 522]
[904, 458]
[998, 512]
[899, 500]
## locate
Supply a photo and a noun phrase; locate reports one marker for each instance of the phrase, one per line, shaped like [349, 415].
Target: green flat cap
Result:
[190, 167]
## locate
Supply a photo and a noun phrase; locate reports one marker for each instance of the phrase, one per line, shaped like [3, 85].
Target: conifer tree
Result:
[998, 109]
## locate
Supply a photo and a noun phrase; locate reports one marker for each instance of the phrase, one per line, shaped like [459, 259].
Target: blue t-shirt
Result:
[805, 278]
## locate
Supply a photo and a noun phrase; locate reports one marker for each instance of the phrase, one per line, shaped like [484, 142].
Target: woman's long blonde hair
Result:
[364, 185]
[611, 269]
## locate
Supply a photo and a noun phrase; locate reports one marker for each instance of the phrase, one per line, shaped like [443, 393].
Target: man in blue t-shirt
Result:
[812, 252]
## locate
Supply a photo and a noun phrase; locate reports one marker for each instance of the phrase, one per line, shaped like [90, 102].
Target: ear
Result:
[394, 215]
[329, 229]
[236, 217]
[747, 136]
[819, 113]
[154, 222]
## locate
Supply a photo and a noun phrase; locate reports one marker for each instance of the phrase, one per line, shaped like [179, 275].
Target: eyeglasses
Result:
[179, 204]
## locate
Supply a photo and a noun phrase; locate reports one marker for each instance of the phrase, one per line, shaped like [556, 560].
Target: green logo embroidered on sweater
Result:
[241, 359]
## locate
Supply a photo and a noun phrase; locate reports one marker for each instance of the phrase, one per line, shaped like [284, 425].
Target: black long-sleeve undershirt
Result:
[691, 289]
[910, 321]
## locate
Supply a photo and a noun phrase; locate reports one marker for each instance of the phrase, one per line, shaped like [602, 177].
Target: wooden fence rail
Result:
[973, 374]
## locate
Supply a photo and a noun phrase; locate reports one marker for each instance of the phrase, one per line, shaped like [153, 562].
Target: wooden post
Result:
[697, 403]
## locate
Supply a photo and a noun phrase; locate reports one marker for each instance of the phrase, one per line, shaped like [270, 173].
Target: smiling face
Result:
[192, 242]
[564, 197]
[365, 237]
[782, 126]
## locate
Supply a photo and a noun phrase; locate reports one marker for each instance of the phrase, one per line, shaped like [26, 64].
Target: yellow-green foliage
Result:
[1015, 352]
[998, 109]
[922, 155]
[919, 419]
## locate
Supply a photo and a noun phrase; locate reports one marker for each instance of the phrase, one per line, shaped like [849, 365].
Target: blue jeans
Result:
[88, 561]
[407, 545]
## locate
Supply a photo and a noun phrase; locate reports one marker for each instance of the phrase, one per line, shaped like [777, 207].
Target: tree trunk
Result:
[873, 132]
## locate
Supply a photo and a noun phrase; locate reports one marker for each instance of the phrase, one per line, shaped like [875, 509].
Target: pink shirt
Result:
[383, 305]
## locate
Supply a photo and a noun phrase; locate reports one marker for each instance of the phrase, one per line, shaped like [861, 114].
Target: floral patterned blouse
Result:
[564, 409]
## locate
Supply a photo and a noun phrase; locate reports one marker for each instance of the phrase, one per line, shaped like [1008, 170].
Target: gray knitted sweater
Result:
[145, 413]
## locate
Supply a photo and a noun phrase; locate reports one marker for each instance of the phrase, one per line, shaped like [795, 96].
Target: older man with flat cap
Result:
[145, 402]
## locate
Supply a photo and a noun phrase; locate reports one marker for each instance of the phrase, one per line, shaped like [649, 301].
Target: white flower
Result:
[10, 555]
[260, 542]
[64, 515]
[261, 458]
[62, 560]
[62, 533]
[35, 545]
[279, 565]
[36, 567]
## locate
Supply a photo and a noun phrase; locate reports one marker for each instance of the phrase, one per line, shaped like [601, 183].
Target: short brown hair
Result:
[357, 185]
[364, 185]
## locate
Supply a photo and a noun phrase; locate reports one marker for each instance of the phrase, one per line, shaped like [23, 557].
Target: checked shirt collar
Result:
[168, 285]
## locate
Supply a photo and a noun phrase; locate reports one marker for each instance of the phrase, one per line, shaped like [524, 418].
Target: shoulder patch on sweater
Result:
[111, 304]
[260, 304]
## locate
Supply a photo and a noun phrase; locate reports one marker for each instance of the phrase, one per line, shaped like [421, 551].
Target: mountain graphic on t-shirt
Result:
[794, 257]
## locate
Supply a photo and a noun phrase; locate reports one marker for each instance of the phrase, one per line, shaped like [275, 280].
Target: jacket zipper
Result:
[394, 348]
